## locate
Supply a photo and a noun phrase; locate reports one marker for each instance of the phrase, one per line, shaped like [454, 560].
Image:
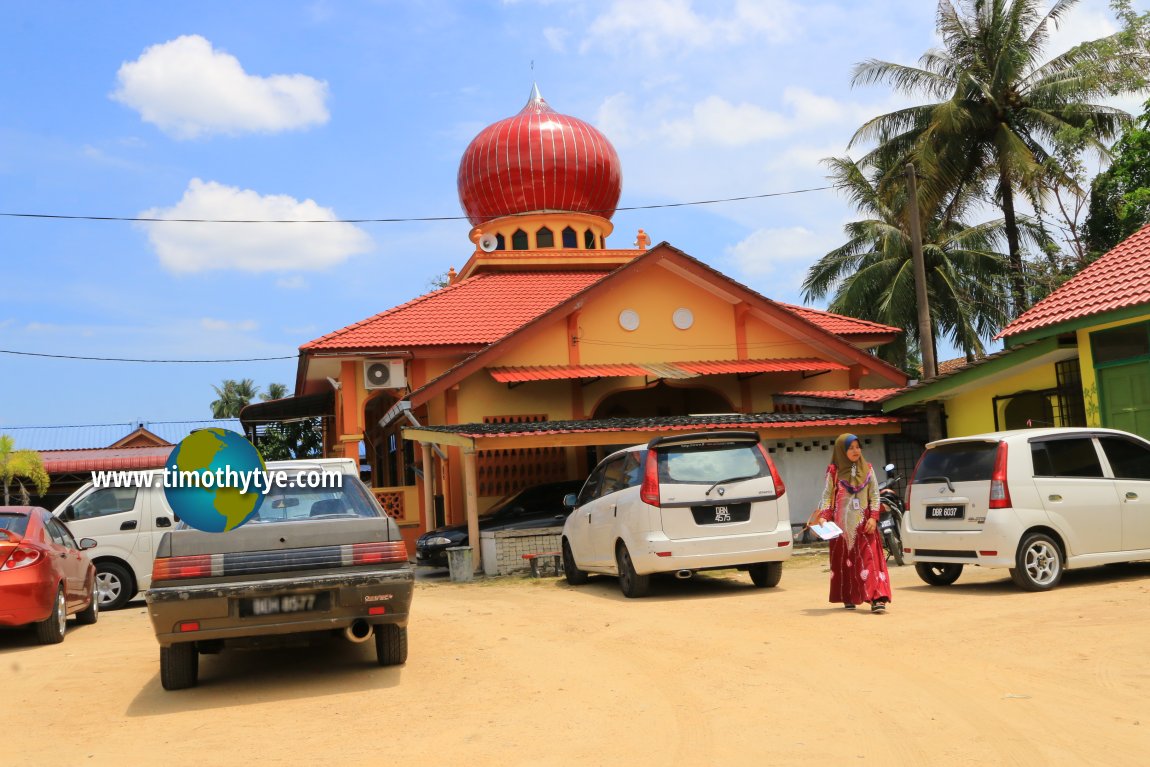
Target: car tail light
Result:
[776, 478]
[174, 568]
[22, 556]
[188, 626]
[375, 553]
[910, 482]
[649, 490]
[999, 490]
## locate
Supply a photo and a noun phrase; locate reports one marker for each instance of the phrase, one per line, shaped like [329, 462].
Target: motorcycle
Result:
[891, 512]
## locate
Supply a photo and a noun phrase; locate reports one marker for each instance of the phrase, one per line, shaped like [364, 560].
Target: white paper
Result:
[827, 530]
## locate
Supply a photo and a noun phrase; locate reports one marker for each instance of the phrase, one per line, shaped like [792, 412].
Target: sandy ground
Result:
[707, 672]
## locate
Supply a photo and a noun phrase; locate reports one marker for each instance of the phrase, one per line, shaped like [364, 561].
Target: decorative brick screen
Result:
[501, 472]
[391, 501]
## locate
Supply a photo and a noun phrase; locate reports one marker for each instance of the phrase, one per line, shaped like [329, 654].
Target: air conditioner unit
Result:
[383, 374]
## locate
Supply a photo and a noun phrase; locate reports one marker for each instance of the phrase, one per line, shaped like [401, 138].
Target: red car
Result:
[45, 576]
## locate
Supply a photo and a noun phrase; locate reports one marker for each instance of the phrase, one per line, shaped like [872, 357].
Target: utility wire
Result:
[396, 220]
[129, 359]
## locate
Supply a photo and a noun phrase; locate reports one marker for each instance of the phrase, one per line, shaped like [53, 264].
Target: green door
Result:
[1125, 395]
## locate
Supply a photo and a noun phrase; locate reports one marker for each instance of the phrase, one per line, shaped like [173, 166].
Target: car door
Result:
[114, 516]
[613, 507]
[1129, 460]
[1079, 500]
[578, 525]
[72, 563]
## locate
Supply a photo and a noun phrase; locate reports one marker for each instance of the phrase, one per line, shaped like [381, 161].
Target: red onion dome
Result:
[539, 160]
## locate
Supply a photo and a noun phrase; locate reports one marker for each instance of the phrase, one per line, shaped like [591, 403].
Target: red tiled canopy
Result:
[660, 369]
[840, 324]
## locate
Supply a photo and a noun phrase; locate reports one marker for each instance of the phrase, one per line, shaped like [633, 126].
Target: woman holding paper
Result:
[850, 500]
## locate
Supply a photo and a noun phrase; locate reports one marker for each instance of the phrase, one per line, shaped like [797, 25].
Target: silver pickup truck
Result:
[313, 560]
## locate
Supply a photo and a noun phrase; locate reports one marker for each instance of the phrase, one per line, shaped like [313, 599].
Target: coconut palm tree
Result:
[997, 107]
[871, 276]
[275, 391]
[24, 468]
[234, 396]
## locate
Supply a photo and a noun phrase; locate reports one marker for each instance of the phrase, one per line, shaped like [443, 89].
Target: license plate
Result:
[721, 514]
[886, 524]
[255, 607]
[945, 512]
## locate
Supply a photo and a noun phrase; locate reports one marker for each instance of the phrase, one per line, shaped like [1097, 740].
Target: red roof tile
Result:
[1118, 280]
[854, 395]
[761, 366]
[477, 310]
[105, 459]
[840, 324]
[660, 369]
[696, 424]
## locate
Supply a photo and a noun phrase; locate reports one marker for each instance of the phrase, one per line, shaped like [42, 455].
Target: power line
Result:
[129, 359]
[396, 220]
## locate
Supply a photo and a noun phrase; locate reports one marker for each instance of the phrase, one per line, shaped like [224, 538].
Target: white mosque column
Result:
[471, 505]
[428, 486]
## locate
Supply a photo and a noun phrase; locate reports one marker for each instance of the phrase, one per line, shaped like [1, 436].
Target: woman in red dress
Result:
[850, 498]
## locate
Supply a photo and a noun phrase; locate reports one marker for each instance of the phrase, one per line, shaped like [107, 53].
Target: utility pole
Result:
[925, 332]
[925, 335]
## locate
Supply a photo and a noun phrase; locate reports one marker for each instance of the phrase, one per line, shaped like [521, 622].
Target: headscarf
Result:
[851, 475]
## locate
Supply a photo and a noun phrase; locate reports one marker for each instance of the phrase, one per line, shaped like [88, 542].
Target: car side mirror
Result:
[571, 500]
[87, 543]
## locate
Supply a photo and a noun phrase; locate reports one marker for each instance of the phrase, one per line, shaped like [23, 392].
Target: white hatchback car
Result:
[680, 504]
[1038, 501]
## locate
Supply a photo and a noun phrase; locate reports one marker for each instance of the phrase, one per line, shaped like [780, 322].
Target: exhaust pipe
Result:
[684, 575]
[359, 631]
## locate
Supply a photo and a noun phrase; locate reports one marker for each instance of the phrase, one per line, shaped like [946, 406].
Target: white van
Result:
[128, 522]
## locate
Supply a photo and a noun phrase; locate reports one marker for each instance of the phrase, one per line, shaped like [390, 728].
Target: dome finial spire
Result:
[536, 102]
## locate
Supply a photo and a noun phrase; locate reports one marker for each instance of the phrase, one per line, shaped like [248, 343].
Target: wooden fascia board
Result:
[433, 437]
[940, 388]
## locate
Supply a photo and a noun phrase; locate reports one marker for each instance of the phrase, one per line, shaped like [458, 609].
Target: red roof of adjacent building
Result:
[839, 324]
[478, 310]
[855, 395]
[105, 459]
[1118, 280]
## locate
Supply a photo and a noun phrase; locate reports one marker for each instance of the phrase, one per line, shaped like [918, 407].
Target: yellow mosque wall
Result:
[972, 412]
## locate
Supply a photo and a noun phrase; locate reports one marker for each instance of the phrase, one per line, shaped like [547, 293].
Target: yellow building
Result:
[1079, 357]
[548, 347]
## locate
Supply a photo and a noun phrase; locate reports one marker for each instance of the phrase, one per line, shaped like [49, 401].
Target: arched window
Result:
[544, 238]
[519, 240]
[589, 240]
[501, 242]
[570, 238]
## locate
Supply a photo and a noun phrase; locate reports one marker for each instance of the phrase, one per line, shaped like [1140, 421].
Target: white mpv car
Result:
[1038, 501]
[680, 504]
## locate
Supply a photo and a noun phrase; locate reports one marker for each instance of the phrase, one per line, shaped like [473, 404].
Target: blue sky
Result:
[352, 110]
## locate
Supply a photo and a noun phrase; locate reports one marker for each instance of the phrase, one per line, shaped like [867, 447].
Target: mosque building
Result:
[549, 347]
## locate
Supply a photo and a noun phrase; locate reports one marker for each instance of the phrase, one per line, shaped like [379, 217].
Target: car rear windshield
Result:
[16, 523]
[297, 501]
[711, 463]
[958, 462]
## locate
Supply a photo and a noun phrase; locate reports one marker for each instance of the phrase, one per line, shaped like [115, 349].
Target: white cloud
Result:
[294, 282]
[783, 255]
[197, 247]
[658, 26]
[715, 120]
[229, 326]
[188, 89]
[556, 38]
